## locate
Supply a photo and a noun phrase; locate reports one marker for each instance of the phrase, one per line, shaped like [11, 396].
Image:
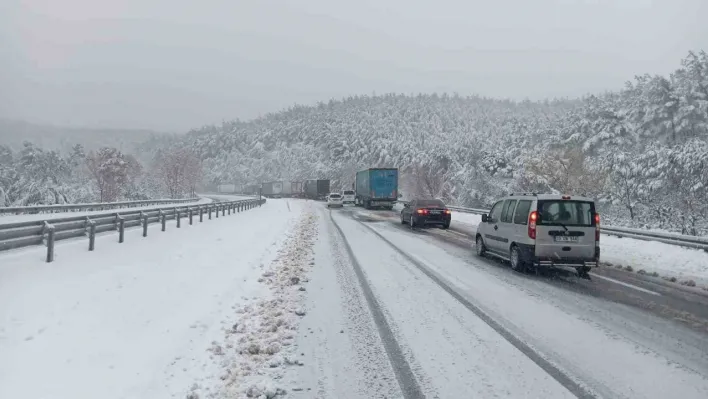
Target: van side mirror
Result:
[485, 218]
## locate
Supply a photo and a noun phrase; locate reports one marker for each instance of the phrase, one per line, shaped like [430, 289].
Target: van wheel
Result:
[479, 246]
[515, 259]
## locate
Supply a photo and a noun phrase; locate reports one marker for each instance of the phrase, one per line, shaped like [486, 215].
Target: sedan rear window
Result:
[431, 202]
[568, 213]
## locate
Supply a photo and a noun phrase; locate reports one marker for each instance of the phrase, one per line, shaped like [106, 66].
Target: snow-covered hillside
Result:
[642, 149]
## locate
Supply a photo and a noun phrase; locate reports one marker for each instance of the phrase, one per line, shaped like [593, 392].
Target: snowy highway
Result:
[296, 300]
[468, 327]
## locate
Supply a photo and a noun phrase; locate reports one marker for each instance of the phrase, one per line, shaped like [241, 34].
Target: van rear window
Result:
[568, 213]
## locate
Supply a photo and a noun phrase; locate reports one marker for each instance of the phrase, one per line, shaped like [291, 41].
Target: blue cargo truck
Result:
[376, 188]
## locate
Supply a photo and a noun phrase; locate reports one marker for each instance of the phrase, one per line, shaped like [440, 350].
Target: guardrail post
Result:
[229, 207]
[223, 210]
[190, 215]
[163, 219]
[50, 242]
[178, 216]
[209, 209]
[201, 214]
[217, 211]
[144, 218]
[92, 235]
[121, 229]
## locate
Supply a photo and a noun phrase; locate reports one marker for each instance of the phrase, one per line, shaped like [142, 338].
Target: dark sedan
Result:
[425, 212]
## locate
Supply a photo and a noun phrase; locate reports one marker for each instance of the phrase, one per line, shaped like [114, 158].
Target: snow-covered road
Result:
[294, 300]
[449, 325]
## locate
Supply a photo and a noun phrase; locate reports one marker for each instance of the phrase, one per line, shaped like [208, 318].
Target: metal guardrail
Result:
[645, 235]
[98, 206]
[47, 232]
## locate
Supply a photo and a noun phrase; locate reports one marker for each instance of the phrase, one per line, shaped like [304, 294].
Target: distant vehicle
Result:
[316, 189]
[377, 187]
[348, 196]
[272, 189]
[251, 189]
[542, 230]
[334, 200]
[425, 213]
[226, 188]
[296, 189]
[287, 189]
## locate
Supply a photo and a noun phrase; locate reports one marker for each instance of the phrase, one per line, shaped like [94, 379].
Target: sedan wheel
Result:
[412, 223]
[403, 221]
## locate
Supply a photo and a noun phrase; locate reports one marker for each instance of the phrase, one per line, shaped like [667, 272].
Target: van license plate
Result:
[566, 238]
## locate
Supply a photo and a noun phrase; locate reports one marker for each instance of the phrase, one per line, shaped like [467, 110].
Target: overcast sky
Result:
[173, 65]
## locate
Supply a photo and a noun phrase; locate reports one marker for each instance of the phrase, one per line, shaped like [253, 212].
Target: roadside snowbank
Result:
[257, 347]
[132, 320]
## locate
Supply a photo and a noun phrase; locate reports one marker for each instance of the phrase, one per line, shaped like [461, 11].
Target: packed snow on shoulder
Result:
[257, 348]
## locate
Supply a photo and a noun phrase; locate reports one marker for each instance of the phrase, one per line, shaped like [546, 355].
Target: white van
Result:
[348, 196]
[542, 230]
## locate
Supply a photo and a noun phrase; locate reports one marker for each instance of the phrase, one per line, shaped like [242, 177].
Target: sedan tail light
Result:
[422, 211]
[447, 211]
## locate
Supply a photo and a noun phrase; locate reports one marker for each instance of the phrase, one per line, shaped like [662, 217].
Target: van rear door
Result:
[565, 229]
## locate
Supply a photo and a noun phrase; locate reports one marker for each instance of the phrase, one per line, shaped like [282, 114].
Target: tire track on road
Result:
[404, 373]
[579, 389]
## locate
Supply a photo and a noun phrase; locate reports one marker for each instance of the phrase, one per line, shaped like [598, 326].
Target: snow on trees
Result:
[112, 171]
[179, 170]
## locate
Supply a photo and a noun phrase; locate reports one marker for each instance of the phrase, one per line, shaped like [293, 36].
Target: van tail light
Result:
[597, 227]
[533, 217]
[447, 211]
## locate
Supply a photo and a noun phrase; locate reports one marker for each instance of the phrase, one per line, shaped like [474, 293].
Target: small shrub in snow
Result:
[300, 312]
[628, 268]
[641, 271]
[192, 395]
[654, 274]
[688, 283]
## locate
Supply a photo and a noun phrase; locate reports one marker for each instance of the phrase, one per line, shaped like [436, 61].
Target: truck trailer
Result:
[296, 188]
[273, 189]
[376, 188]
[287, 189]
[316, 189]
[226, 188]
